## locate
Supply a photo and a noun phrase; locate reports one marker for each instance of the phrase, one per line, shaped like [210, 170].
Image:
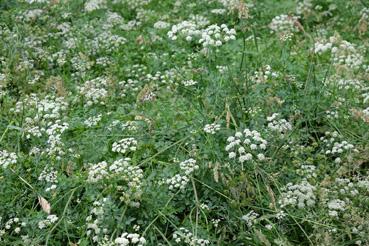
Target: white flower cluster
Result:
[222, 69]
[81, 64]
[304, 7]
[128, 125]
[199, 20]
[365, 95]
[322, 47]
[130, 239]
[104, 61]
[335, 206]
[32, 14]
[55, 146]
[31, 129]
[51, 219]
[345, 84]
[186, 29]
[93, 120]
[279, 125]
[160, 77]
[298, 195]
[13, 225]
[343, 53]
[29, 100]
[204, 206]
[94, 91]
[216, 36]
[366, 114]
[188, 166]
[123, 170]
[113, 18]
[39, 112]
[3, 78]
[310, 7]
[36, 1]
[95, 220]
[182, 235]
[97, 172]
[350, 84]
[215, 222]
[346, 54]
[264, 74]
[335, 147]
[218, 11]
[148, 96]
[134, 75]
[345, 187]
[211, 128]
[161, 25]
[250, 218]
[7, 158]
[364, 14]
[307, 171]
[125, 145]
[284, 25]
[50, 176]
[211, 36]
[50, 107]
[363, 184]
[56, 128]
[189, 82]
[281, 215]
[253, 111]
[247, 145]
[131, 25]
[134, 4]
[132, 175]
[330, 114]
[341, 194]
[338, 196]
[106, 42]
[92, 5]
[59, 58]
[178, 182]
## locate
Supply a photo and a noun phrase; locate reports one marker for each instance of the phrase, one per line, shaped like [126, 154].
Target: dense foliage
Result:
[184, 122]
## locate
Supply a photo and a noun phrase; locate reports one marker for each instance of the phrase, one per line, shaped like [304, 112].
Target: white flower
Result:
[97, 172]
[178, 182]
[284, 25]
[189, 82]
[7, 158]
[261, 157]
[130, 238]
[250, 218]
[94, 91]
[335, 206]
[298, 195]
[92, 5]
[121, 241]
[279, 125]
[161, 25]
[51, 219]
[184, 235]
[125, 145]
[232, 155]
[189, 166]
[246, 145]
[211, 128]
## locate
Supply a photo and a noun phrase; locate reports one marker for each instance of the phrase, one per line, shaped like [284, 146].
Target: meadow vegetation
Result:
[184, 122]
